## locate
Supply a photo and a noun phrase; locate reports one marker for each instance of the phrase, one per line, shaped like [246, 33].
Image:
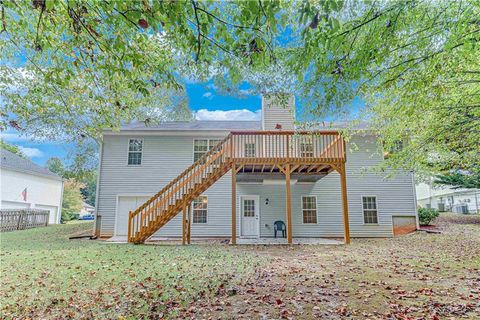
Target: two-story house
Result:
[235, 179]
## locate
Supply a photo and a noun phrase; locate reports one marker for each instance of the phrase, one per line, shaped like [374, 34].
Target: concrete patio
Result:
[240, 241]
[283, 241]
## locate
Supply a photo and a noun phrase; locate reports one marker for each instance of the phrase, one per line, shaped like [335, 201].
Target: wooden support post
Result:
[343, 183]
[129, 226]
[234, 204]
[189, 228]
[184, 225]
[289, 203]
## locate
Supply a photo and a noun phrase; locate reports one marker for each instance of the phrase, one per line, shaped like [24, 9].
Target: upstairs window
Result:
[200, 208]
[370, 213]
[309, 209]
[249, 150]
[202, 146]
[135, 148]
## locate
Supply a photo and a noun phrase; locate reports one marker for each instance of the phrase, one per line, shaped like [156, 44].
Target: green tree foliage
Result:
[12, 148]
[459, 180]
[93, 64]
[72, 200]
[82, 170]
[416, 65]
[427, 215]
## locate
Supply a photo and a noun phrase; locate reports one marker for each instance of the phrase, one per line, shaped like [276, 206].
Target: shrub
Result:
[427, 215]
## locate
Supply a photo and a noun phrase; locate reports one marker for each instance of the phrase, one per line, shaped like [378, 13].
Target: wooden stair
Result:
[179, 193]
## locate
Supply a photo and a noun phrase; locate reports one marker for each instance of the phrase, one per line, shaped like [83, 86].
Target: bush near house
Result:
[427, 215]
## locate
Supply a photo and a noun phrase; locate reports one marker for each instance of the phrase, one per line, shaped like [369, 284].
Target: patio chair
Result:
[279, 225]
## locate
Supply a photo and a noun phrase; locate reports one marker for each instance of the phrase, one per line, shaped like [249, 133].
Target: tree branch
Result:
[199, 36]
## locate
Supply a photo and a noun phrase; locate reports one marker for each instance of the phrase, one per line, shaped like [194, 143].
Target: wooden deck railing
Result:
[237, 148]
[287, 146]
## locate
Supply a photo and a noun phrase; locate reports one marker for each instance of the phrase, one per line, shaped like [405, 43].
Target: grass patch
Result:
[46, 275]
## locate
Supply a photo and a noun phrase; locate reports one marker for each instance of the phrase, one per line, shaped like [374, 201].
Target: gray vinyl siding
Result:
[274, 114]
[164, 157]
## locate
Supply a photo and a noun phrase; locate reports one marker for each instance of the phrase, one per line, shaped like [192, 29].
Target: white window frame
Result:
[141, 152]
[363, 210]
[247, 152]
[306, 141]
[316, 209]
[209, 145]
[206, 209]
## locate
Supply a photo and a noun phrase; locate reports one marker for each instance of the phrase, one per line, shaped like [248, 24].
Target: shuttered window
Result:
[135, 149]
[309, 209]
[200, 210]
[370, 214]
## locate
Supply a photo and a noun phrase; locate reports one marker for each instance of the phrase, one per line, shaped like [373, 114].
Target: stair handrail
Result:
[182, 174]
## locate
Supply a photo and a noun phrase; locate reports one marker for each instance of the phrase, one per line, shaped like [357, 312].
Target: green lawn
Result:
[426, 276]
[46, 275]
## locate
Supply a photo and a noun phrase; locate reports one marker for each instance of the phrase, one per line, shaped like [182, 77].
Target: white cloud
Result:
[207, 95]
[13, 137]
[31, 152]
[239, 114]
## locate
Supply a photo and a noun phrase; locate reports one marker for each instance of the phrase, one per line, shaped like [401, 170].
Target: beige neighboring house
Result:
[444, 198]
[25, 184]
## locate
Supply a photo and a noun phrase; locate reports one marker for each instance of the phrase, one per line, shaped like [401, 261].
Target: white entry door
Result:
[250, 216]
[126, 204]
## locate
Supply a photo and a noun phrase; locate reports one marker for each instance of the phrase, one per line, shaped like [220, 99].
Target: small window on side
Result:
[370, 212]
[309, 209]
[135, 149]
[200, 210]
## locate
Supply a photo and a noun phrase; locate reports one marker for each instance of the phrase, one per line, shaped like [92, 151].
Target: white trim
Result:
[128, 152]
[117, 198]
[414, 202]
[193, 208]
[257, 199]
[376, 205]
[316, 209]
[59, 211]
[214, 133]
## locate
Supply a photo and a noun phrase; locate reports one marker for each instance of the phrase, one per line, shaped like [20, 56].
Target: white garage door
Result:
[126, 204]
[53, 218]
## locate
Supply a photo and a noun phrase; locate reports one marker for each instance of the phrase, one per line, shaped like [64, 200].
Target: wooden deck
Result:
[314, 153]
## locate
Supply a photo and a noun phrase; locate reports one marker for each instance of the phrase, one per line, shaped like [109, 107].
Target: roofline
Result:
[160, 132]
[52, 177]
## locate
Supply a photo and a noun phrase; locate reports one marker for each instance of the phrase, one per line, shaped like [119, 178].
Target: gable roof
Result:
[207, 125]
[12, 161]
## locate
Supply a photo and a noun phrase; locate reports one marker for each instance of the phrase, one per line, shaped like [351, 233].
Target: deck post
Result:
[129, 237]
[189, 224]
[184, 225]
[234, 204]
[343, 183]
[288, 195]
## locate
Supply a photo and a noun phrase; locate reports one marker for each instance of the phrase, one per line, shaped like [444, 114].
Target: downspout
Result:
[417, 222]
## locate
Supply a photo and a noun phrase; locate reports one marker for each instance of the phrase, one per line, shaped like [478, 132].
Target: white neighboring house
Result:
[445, 198]
[86, 210]
[25, 184]
[138, 161]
